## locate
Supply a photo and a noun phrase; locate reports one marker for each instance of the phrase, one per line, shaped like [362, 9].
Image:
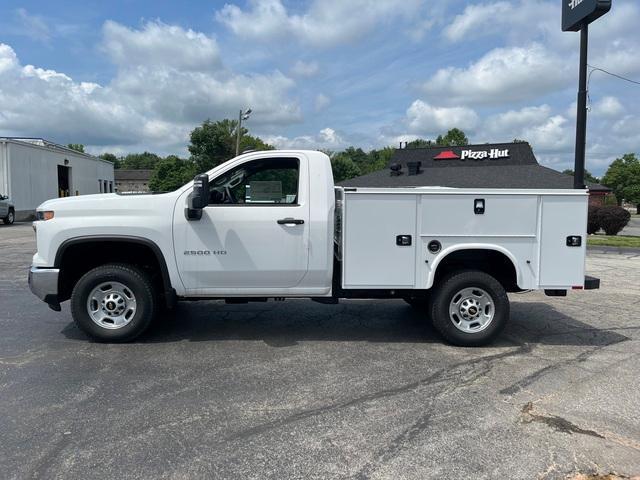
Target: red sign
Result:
[492, 154]
[447, 155]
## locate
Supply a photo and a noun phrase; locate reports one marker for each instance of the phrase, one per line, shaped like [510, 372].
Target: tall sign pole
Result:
[581, 117]
[576, 16]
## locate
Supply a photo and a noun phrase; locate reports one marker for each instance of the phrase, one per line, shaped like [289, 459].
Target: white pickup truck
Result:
[272, 225]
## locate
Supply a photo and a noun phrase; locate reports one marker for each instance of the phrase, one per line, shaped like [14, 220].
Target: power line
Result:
[598, 69]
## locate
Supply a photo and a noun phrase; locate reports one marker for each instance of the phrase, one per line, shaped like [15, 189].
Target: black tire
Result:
[10, 218]
[137, 281]
[444, 295]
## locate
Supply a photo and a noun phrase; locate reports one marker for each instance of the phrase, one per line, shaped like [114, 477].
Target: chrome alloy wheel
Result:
[111, 305]
[471, 310]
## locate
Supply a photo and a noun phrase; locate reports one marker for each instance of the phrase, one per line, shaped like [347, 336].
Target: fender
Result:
[473, 246]
[170, 293]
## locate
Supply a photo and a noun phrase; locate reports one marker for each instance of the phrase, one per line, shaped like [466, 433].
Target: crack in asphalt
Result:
[409, 434]
[438, 376]
[535, 376]
[559, 424]
[48, 458]
[562, 425]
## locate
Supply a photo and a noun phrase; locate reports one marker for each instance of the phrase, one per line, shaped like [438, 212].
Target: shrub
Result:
[612, 219]
[593, 224]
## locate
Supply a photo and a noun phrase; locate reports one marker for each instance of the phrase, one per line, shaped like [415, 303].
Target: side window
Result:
[267, 181]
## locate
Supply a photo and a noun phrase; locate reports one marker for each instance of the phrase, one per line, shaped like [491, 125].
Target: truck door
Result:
[254, 233]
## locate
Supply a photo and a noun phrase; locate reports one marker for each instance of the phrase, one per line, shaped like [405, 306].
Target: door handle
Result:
[290, 221]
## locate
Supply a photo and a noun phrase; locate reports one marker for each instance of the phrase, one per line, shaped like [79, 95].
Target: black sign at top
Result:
[576, 13]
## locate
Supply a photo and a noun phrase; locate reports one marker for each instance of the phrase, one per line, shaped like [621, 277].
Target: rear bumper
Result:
[591, 283]
[43, 283]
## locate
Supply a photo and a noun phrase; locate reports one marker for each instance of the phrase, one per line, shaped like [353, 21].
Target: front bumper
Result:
[43, 282]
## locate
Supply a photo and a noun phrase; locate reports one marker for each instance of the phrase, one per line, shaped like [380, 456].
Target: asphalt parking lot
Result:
[364, 389]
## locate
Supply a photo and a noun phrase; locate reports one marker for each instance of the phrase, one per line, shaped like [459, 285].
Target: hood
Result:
[108, 204]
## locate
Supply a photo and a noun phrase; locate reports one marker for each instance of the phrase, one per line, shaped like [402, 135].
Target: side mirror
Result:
[199, 198]
[200, 195]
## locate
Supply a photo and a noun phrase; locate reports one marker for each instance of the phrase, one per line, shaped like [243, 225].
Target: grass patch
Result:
[613, 241]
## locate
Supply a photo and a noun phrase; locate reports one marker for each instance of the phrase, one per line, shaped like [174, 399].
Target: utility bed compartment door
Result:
[371, 256]
[562, 265]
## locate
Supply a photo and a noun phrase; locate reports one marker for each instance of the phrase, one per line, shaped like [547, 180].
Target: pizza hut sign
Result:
[492, 154]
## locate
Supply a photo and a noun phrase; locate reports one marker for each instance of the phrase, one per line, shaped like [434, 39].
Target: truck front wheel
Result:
[469, 308]
[113, 303]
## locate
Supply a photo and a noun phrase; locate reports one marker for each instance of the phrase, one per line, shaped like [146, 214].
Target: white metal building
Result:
[33, 170]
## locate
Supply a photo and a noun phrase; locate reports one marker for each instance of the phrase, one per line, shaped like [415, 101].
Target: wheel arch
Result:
[479, 256]
[81, 244]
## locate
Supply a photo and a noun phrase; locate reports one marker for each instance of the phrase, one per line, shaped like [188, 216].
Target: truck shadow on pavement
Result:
[286, 324]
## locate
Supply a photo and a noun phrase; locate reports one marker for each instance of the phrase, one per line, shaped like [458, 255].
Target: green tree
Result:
[588, 177]
[352, 156]
[343, 168]
[454, 137]
[78, 147]
[419, 143]
[353, 162]
[110, 157]
[213, 143]
[623, 177]
[379, 159]
[171, 173]
[137, 161]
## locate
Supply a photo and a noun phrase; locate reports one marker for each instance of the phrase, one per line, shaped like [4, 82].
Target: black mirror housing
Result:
[199, 197]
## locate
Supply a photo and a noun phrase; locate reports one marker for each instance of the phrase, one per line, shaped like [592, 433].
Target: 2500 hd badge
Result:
[205, 252]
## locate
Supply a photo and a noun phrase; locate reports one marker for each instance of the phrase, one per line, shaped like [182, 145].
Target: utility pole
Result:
[243, 115]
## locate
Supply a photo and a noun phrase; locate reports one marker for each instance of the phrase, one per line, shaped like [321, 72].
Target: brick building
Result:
[132, 181]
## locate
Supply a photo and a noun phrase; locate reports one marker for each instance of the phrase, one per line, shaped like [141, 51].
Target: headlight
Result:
[44, 215]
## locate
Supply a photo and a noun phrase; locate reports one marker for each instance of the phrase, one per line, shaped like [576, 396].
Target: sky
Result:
[133, 75]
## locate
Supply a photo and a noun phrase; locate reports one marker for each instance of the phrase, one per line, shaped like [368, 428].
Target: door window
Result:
[269, 181]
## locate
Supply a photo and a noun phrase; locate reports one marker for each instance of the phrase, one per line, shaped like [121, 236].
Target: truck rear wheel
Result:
[469, 308]
[113, 303]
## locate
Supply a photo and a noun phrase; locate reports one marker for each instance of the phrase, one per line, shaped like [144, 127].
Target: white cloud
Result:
[305, 69]
[516, 21]
[425, 119]
[326, 139]
[158, 44]
[477, 19]
[325, 23]
[546, 131]
[33, 26]
[607, 107]
[502, 76]
[322, 102]
[8, 58]
[168, 80]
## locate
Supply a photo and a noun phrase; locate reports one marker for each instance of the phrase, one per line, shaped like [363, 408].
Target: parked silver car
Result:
[7, 210]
